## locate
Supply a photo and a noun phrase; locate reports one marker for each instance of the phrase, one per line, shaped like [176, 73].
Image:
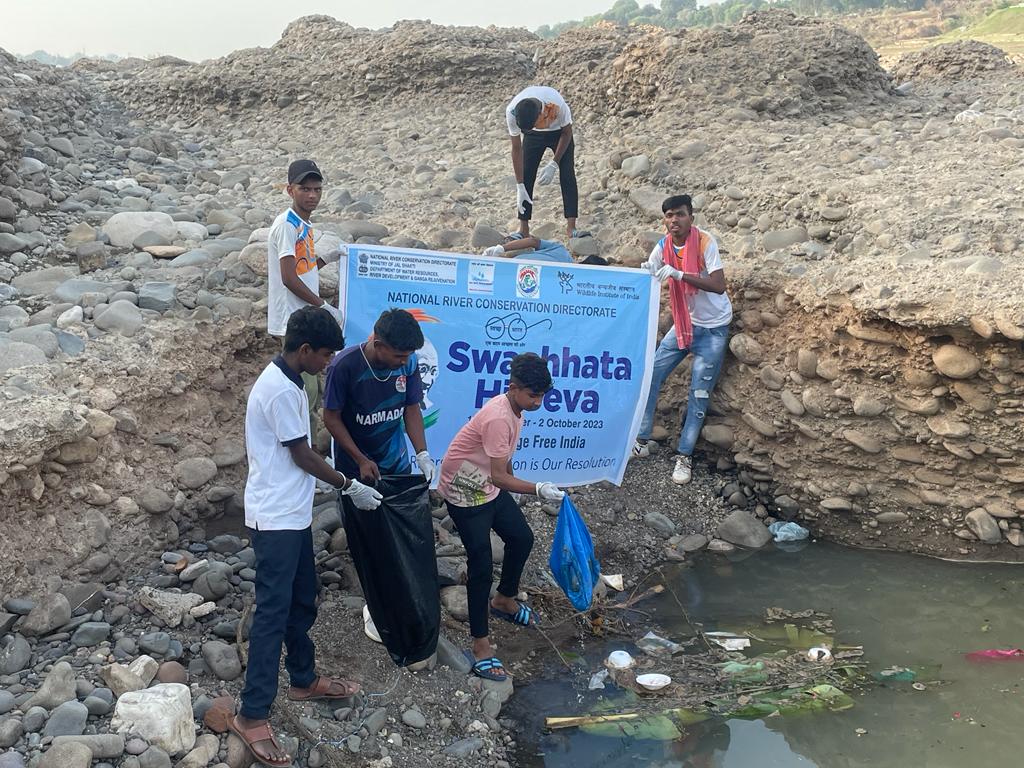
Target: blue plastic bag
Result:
[572, 558]
[788, 531]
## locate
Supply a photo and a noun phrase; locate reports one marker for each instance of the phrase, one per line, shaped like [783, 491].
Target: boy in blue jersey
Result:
[372, 400]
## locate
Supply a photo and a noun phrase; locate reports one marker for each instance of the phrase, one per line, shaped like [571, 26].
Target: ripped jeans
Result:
[708, 350]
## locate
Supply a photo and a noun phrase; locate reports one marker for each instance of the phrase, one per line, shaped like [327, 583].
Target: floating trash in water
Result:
[788, 531]
[919, 687]
[619, 660]
[657, 645]
[597, 680]
[653, 681]
[820, 654]
[997, 654]
[728, 640]
[896, 674]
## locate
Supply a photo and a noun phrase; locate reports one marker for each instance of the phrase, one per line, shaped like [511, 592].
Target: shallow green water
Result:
[904, 610]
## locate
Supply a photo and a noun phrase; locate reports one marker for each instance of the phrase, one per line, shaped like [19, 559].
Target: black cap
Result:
[300, 169]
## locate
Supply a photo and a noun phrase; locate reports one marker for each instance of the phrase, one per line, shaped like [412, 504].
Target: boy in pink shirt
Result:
[477, 484]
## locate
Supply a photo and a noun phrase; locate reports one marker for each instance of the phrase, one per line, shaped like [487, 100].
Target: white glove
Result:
[335, 312]
[494, 251]
[547, 173]
[550, 492]
[522, 197]
[335, 254]
[426, 465]
[667, 272]
[363, 496]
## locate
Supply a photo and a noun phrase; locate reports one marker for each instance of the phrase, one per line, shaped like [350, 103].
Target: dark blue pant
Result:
[286, 590]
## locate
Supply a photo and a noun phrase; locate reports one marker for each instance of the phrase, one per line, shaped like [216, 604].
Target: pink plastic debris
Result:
[997, 654]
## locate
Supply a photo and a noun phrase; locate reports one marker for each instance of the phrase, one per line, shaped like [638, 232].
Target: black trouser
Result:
[505, 518]
[534, 145]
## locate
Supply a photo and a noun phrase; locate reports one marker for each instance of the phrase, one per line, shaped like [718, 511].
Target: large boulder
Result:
[57, 688]
[122, 228]
[42, 282]
[744, 530]
[121, 316]
[162, 715]
[51, 612]
[17, 354]
[69, 754]
[158, 296]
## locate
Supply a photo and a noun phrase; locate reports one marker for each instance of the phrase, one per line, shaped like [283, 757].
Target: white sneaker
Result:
[641, 450]
[681, 474]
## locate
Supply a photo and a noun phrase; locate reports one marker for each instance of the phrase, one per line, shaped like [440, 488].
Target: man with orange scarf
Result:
[701, 312]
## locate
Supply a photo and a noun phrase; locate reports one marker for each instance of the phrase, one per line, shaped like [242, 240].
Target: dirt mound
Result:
[771, 61]
[964, 60]
[319, 58]
[43, 102]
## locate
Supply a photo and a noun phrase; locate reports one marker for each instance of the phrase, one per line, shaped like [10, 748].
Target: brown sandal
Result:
[256, 734]
[320, 689]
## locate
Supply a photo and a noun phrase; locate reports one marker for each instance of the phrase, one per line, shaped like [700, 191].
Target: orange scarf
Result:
[689, 259]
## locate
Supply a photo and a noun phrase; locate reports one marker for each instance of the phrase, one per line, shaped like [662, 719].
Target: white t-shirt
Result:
[554, 112]
[289, 235]
[707, 309]
[278, 495]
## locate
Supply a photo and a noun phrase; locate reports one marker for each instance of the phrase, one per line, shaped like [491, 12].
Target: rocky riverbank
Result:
[871, 231]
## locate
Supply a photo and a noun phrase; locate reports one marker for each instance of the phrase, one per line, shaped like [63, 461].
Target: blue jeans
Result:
[286, 591]
[708, 348]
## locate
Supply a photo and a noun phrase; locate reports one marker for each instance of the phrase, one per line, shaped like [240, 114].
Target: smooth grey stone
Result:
[158, 296]
[70, 344]
[34, 719]
[67, 720]
[90, 633]
[96, 706]
[20, 606]
[154, 757]
[15, 655]
[155, 643]
[11, 731]
[222, 659]
[225, 544]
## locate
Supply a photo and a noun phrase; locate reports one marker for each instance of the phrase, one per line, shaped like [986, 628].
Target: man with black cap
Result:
[541, 114]
[293, 268]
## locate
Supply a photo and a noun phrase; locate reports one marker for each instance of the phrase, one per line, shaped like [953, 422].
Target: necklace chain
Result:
[362, 351]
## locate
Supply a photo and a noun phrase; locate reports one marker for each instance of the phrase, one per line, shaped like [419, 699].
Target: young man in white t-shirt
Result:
[293, 268]
[541, 115]
[688, 260]
[279, 491]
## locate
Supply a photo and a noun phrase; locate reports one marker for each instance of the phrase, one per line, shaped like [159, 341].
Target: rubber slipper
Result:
[487, 668]
[258, 733]
[524, 617]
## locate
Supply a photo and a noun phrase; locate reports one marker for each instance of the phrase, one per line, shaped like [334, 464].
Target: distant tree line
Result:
[673, 14]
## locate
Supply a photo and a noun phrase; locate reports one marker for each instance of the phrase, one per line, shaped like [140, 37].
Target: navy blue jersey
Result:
[372, 410]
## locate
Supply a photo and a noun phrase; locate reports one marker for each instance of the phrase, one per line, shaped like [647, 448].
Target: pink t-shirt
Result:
[466, 470]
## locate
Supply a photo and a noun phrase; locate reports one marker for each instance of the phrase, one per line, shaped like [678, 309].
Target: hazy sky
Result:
[202, 29]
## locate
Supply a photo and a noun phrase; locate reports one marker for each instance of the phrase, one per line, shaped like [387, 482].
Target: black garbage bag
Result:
[393, 551]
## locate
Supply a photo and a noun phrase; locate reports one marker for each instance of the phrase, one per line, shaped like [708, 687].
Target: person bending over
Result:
[477, 484]
[538, 119]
